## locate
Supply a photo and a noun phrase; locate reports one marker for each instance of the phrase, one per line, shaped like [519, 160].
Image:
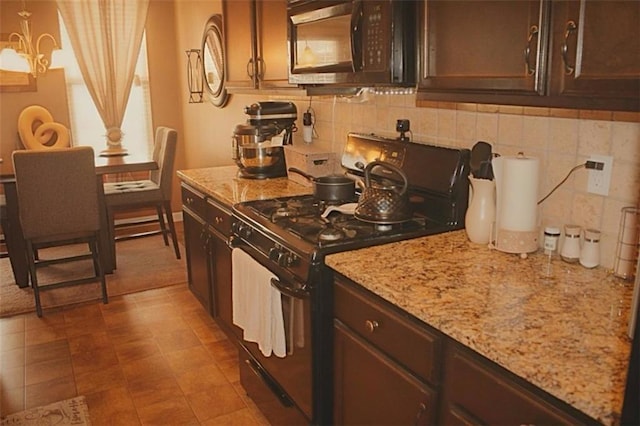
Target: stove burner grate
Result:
[301, 216]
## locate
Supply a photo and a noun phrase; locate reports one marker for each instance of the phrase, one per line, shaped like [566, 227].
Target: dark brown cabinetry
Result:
[385, 368]
[601, 65]
[476, 391]
[477, 46]
[558, 53]
[220, 260]
[207, 227]
[196, 236]
[256, 44]
[390, 368]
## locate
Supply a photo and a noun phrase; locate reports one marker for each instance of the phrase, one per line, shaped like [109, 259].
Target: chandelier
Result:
[27, 57]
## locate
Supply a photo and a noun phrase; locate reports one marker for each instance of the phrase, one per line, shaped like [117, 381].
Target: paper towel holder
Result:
[517, 236]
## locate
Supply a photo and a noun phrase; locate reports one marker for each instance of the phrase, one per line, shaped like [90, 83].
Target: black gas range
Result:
[290, 236]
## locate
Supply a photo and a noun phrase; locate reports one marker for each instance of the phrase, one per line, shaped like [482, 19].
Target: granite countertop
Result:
[223, 184]
[559, 326]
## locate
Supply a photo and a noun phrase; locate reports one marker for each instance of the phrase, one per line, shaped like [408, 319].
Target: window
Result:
[86, 124]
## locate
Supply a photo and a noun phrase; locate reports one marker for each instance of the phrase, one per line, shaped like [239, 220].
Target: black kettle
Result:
[383, 204]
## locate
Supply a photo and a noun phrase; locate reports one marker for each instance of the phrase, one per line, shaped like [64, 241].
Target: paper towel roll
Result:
[517, 193]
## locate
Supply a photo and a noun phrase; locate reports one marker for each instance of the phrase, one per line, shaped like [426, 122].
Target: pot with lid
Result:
[384, 203]
[258, 144]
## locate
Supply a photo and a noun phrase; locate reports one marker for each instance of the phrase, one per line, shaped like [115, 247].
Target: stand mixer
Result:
[258, 144]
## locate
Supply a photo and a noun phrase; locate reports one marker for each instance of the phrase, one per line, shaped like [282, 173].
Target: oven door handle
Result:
[301, 293]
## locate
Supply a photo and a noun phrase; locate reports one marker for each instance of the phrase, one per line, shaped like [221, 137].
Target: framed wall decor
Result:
[213, 57]
[15, 81]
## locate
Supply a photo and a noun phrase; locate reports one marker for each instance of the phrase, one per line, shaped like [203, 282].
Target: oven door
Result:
[325, 39]
[288, 378]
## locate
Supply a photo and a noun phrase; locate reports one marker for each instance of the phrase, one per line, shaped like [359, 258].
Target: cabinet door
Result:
[370, 389]
[196, 241]
[596, 52]
[239, 32]
[483, 46]
[273, 51]
[221, 259]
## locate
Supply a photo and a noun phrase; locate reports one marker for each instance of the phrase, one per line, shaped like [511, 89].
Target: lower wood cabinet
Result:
[384, 366]
[207, 227]
[372, 389]
[221, 285]
[476, 391]
[196, 237]
[392, 369]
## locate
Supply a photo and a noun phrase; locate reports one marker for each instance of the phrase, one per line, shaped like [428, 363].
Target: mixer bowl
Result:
[257, 155]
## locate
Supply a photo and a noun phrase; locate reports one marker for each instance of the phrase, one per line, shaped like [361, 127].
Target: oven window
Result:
[323, 43]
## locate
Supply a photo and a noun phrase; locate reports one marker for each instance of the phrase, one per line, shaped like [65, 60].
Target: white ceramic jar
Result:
[590, 252]
[571, 246]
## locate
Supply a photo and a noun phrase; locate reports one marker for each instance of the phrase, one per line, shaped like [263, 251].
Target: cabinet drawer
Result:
[414, 347]
[474, 387]
[195, 201]
[219, 217]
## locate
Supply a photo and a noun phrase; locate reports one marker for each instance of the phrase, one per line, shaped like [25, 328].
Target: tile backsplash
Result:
[561, 139]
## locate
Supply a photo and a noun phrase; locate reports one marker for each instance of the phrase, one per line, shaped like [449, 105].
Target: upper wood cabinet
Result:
[559, 53]
[596, 53]
[256, 44]
[479, 46]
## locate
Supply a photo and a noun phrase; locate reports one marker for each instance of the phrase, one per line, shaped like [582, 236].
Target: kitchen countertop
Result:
[223, 184]
[559, 326]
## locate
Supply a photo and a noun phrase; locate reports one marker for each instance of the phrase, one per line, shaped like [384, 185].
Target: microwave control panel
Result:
[376, 23]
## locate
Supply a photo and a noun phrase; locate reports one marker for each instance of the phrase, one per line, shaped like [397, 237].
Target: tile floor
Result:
[154, 357]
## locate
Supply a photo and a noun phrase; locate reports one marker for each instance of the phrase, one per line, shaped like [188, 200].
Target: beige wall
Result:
[560, 138]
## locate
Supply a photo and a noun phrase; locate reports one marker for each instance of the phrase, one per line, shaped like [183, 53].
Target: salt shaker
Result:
[590, 252]
[571, 247]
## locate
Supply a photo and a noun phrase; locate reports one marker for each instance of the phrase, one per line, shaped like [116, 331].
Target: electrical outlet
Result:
[599, 180]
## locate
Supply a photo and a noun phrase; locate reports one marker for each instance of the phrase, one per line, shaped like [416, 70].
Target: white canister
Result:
[571, 246]
[590, 252]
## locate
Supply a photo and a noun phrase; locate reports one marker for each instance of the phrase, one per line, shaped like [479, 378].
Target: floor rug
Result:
[72, 411]
[142, 264]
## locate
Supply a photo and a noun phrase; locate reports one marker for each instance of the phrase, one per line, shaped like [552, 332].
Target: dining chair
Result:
[59, 206]
[154, 192]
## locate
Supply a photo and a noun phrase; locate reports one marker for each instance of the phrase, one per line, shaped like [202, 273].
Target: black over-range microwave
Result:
[353, 42]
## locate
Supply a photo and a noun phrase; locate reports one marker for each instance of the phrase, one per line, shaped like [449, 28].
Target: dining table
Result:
[10, 222]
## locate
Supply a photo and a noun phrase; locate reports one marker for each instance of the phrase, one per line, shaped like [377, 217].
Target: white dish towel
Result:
[257, 305]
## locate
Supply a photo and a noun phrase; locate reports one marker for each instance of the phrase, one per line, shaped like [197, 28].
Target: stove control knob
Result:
[244, 230]
[274, 254]
[280, 256]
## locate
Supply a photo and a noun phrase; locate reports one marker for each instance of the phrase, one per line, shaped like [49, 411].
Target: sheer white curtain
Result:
[106, 37]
